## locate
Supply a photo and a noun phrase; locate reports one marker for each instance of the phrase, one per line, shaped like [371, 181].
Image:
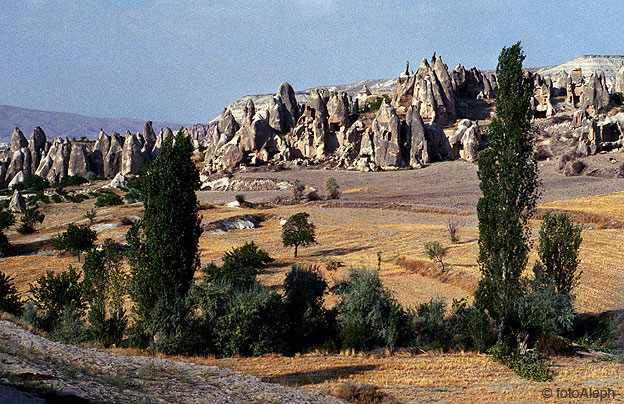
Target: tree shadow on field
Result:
[29, 248]
[318, 376]
[337, 251]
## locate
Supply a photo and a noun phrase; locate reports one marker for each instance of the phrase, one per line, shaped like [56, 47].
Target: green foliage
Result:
[77, 239]
[298, 231]
[162, 247]
[29, 219]
[6, 220]
[104, 289]
[9, 298]
[70, 181]
[240, 265]
[52, 293]
[297, 189]
[333, 265]
[470, 327]
[90, 215]
[368, 315]
[529, 366]
[33, 183]
[332, 188]
[435, 252]
[71, 328]
[33, 200]
[238, 320]
[75, 197]
[108, 199]
[558, 249]
[429, 324]
[509, 183]
[56, 198]
[308, 323]
[376, 103]
[132, 195]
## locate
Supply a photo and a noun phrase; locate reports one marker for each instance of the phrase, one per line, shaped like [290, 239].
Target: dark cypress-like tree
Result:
[509, 183]
[162, 247]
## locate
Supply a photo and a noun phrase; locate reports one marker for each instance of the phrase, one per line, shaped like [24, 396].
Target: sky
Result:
[185, 60]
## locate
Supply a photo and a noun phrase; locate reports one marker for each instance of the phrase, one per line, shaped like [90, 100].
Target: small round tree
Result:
[76, 239]
[435, 252]
[298, 231]
[332, 188]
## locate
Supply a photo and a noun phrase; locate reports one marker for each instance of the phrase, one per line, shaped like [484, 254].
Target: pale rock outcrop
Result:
[415, 140]
[18, 179]
[112, 159]
[465, 142]
[16, 164]
[17, 204]
[386, 137]
[560, 84]
[596, 95]
[575, 88]
[278, 115]
[18, 141]
[307, 139]
[618, 86]
[118, 182]
[226, 128]
[541, 103]
[131, 156]
[60, 160]
[78, 160]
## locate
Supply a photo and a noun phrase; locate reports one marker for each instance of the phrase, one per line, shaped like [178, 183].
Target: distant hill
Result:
[609, 64]
[62, 124]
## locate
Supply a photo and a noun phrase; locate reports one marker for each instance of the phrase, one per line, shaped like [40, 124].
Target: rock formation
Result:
[17, 204]
[618, 86]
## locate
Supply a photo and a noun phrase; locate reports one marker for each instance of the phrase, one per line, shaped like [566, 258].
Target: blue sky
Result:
[184, 60]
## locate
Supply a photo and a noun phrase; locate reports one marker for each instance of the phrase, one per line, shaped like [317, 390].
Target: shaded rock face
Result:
[18, 141]
[438, 147]
[472, 84]
[112, 159]
[618, 86]
[18, 179]
[386, 137]
[226, 128]
[100, 149]
[37, 146]
[308, 138]
[287, 95]
[78, 160]
[575, 88]
[415, 140]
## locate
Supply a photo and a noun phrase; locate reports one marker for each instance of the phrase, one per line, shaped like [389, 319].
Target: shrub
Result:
[362, 394]
[239, 320]
[368, 315]
[452, 226]
[309, 324]
[376, 103]
[332, 188]
[529, 366]
[70, 181]
[75, 197]
[38, 197]
[56, 198]
[297, 189]
[33, 183]
[52, 293]
[9, 298]
[71, 328]
[240, 265]
[333, 265]
[76, 239]
[429, 324]
[108, 199]
[470, 327]
[435, 252]
[298, 231]
[132, 195]
[6, 220]
[90, 215]
[104, 288]
[30, 217]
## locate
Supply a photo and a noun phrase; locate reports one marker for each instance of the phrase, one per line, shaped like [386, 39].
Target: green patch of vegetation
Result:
[108, 199]
[376, 103]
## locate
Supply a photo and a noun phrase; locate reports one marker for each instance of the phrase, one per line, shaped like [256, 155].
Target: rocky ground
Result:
[36, 370]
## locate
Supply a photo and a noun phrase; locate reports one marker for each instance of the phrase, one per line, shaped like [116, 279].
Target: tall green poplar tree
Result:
[162, 247]
[509, 183]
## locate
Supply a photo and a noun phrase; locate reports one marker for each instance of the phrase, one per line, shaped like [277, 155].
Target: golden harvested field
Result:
[354, 236]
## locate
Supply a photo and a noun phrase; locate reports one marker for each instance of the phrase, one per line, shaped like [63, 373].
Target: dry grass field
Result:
[355, 236]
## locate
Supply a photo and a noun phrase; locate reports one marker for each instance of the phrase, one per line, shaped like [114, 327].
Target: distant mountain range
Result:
[62, 124]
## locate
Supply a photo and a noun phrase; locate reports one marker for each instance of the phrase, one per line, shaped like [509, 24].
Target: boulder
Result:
[118, 182]
[17, 204]
[78, 160]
